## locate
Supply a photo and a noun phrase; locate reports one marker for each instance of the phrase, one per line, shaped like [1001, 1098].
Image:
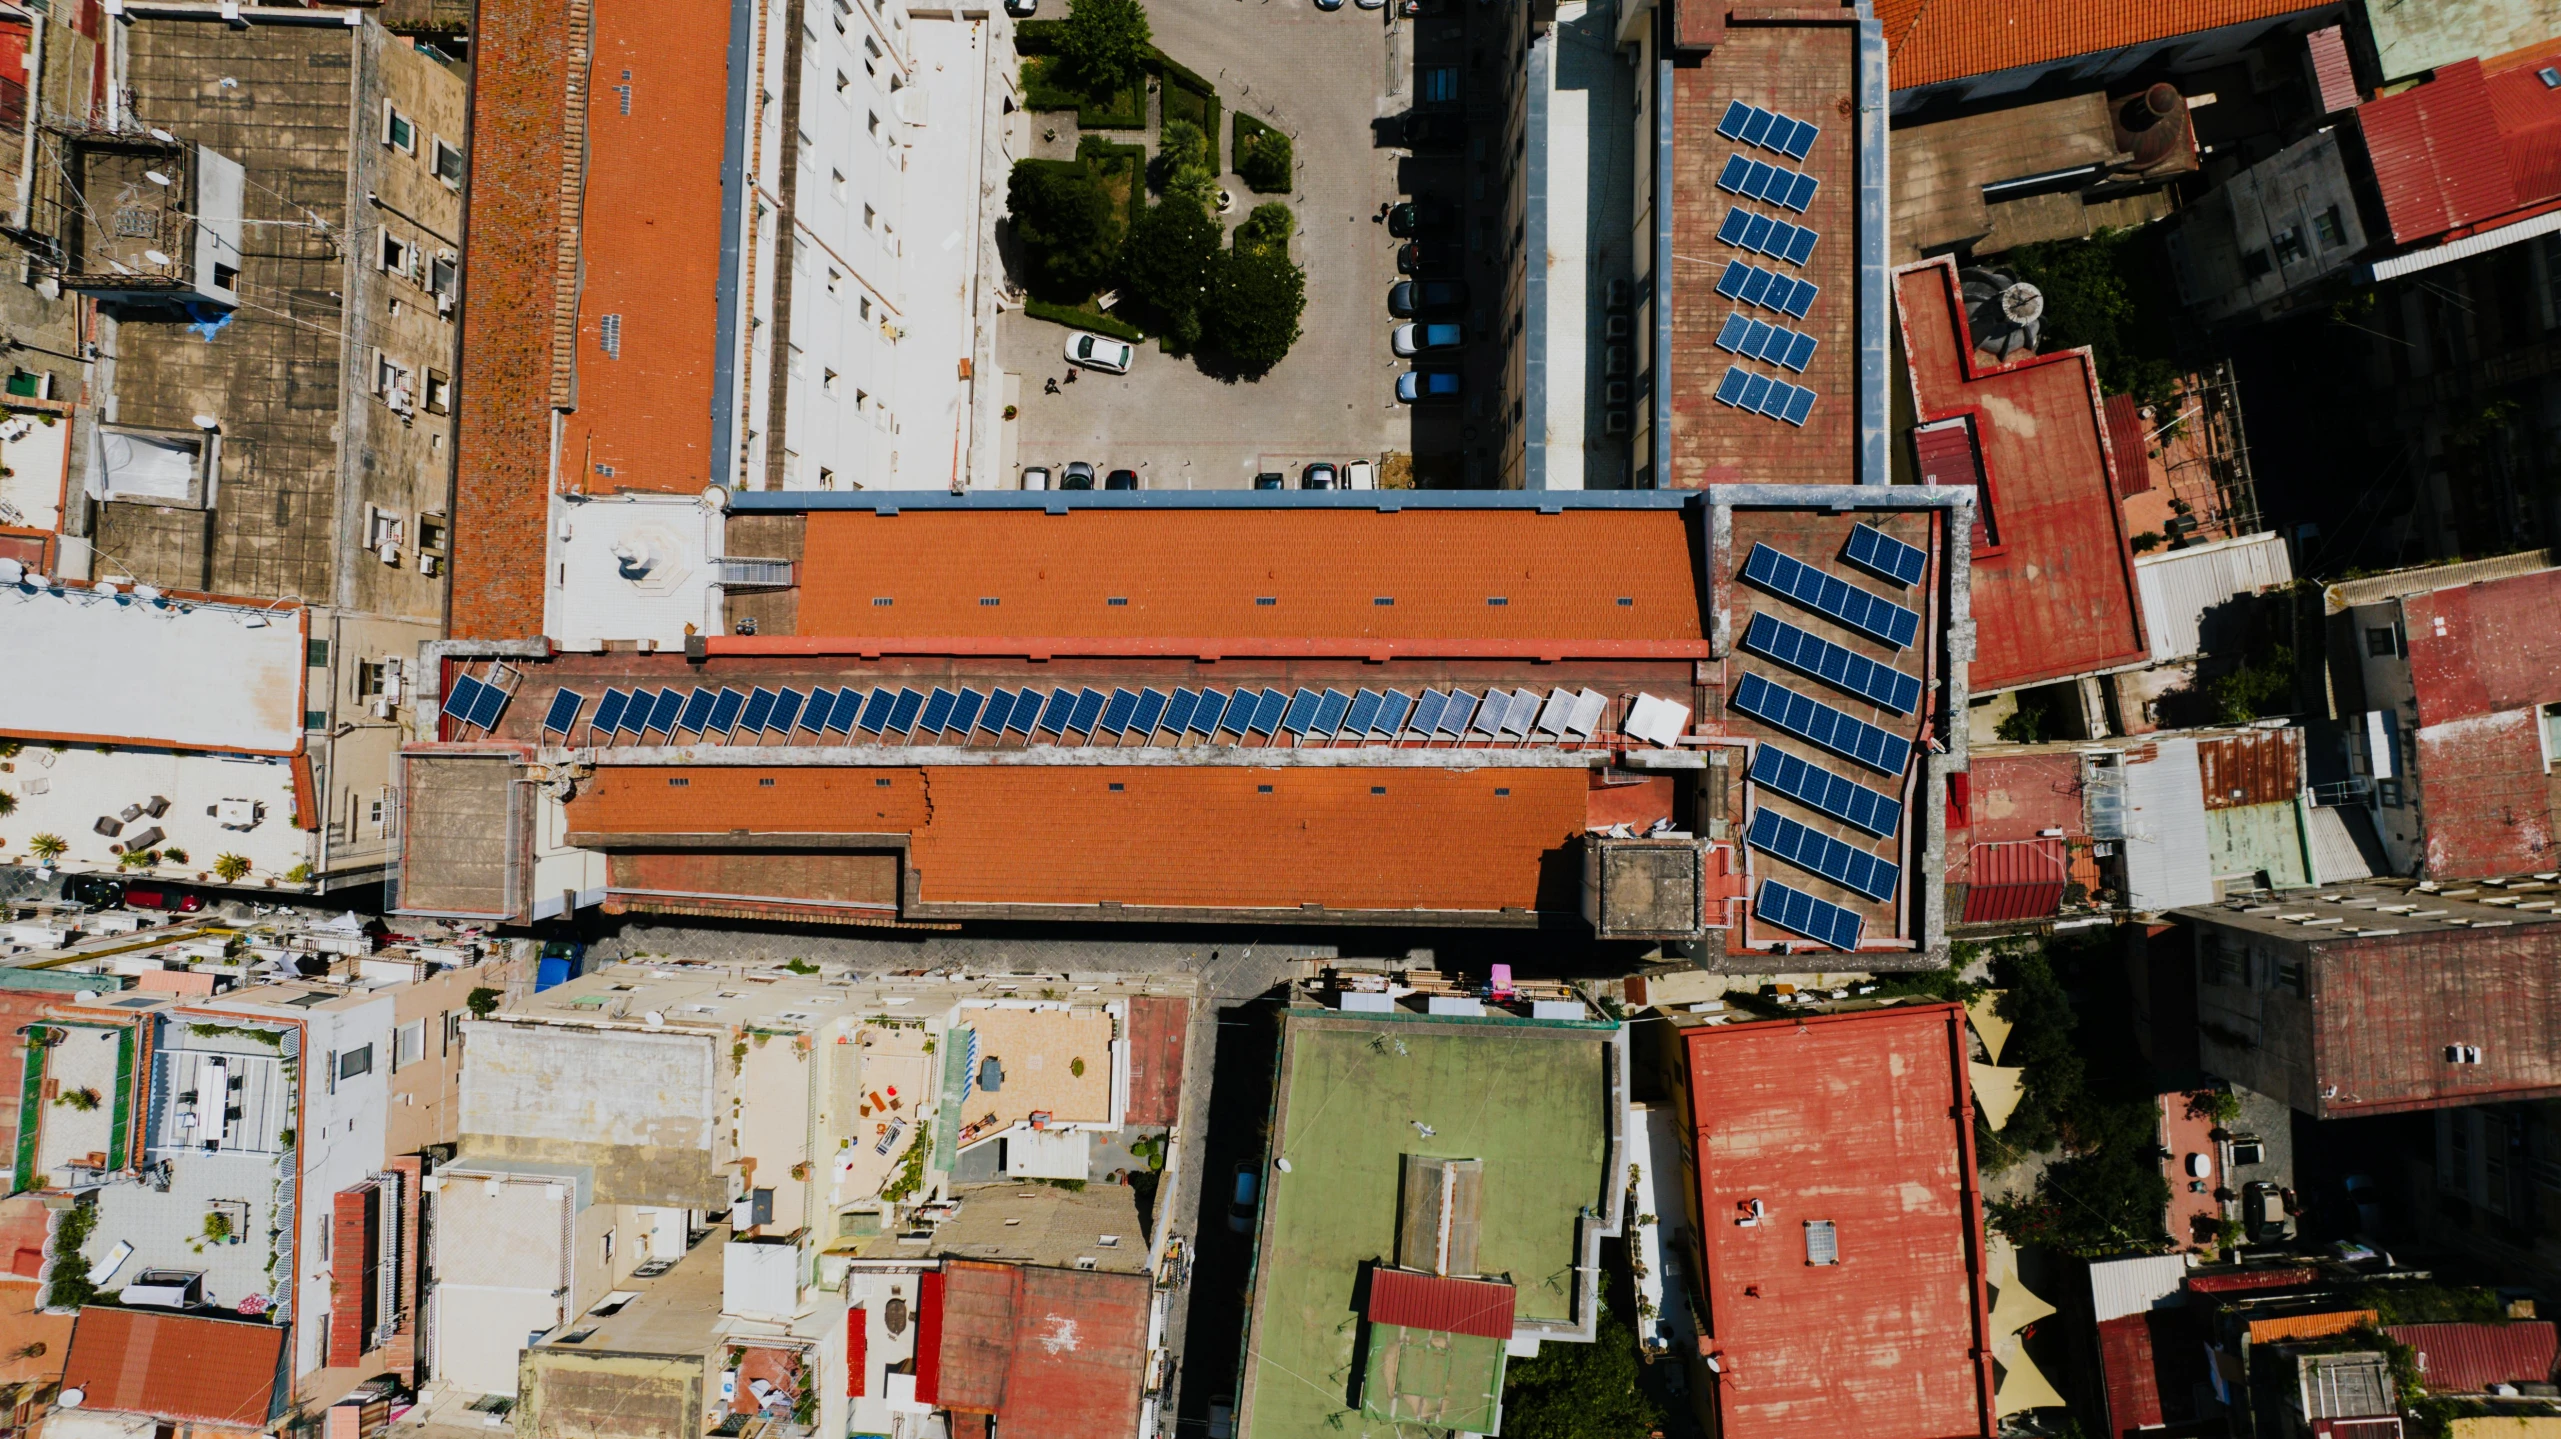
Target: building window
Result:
[835, 281]
[2331, 228]
[844, 83]
[2378, 641]
[2254, 263]
[836, 185]
[2289, 974]
[353, 1062]
[864, 304]
[2550, 715]
[382, 527]
[609, 335]
[449, 156]
[392, 383]
[2248, 1151]
[441, 274]
[827, 381]
[2387, 793]
[398, 130]
[2288, 244]
[431, 534]
[399, 257]
[439, 393]
[411, 1037]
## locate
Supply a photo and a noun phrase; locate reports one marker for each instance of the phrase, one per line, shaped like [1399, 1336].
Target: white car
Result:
[1414, 339]
[1360, 475]
[1095, 352]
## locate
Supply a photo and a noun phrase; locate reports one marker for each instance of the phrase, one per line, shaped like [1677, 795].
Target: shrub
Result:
[299, 874]
[8, 803]
[1165, 267]
[1075, 318]
[1255, 300]
[1103, 45]
[1263, 156]
[1063, 220]
[1267, 229]
[482, 1002]
[1580, 1391]
[138, 859]
[47, 847]
[83, 1100]
[230, 868]
[1181, 168]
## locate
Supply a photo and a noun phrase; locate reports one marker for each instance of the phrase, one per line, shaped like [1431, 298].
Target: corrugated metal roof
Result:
[2239, 1281]
[2166, 852]
[2330, 68]
[2119, 1287]
[2017, 879]
[2129, 445]
[2184, 590]
[178, 1366]
[2437, 154]
[1931, 41]
[1480, 1307]
[2310, 1326]
[2469, 1358]
[2126, 1366]
[2258, 766]
[2529, 114]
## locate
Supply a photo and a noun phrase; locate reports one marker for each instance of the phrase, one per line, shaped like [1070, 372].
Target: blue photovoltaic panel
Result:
[1756, 125]
[1880, 554]
[1811, 719]
[1522, 714]
[1150, 712]
[1800, 245]
[724, 711]
[760, 708]
[1811, 784]
[1772, 184]
[1427, 711]
[1729, 390]
[460, 699]
[608, 716]
[636, 713]
[902, 715]
[1842, 863]
[1730, 124]
[1301, 712]
[1737, 169]
[1800, 649]
[1267, 712]
[965, 712]
[1089, 708]
[697, 711]
[486, 709]
[1462, 706]
[1204, 719]
[662, 712]
[1026, 710]
[787, 707]
[1364, 710]
[1489, 714]
[1330, 711]
[814, 717]
[849, 702]
[1834, 598]
[1760, 340]
[875, 714]
[563, 713]
[1180, 709]
[1792, 908]
[1118, 713]
[1062, 703]
[1767, 129]
[938, 708]
[1767, 288]
[1240, 711]
[1393, 707]
[1000, 708]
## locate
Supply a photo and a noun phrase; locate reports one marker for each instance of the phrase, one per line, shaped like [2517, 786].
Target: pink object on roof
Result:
[1448, 1306]
[2469, 1358]
[2330, 66]
[1502, 980]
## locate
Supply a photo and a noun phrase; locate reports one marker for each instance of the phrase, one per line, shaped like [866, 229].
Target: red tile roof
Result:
[178, 1366]
[1930, 41]
[2469, 1358]
[2057, 598]
[1863, 1121]
[1582, 581]
[1046, 1351]
[1448, 1306]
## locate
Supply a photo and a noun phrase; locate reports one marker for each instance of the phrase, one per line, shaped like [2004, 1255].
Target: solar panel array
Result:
[1761, 180]
[1807, 848]
[1773, 638]
[1832, 598]
[1762, 395]
[1760, 340]
[1811, 719]
[1764, 235]
[1767, 129]
[1792, 908]
[475, 702]
[1886, 557]
[1522, 715]
[1767, 288]
[1810, 784]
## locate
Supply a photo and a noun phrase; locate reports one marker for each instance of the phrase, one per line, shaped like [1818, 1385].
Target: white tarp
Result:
[165, 674]
[2166, 861]
[138, 465]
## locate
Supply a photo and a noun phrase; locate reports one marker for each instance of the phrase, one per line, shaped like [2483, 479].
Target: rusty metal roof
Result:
[2469, 1358]
[2259, 766]
[2437, 154]
[1436, 1302]
[1046, 1351]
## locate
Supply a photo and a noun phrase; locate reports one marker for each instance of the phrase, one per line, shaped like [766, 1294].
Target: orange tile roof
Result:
[1187, 836]
[178, 1366]
[1596, 577]
[1929, 41]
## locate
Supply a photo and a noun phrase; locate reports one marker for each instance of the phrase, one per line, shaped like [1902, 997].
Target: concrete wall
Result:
[425, 1093]
[502, 1262]
[638, 1106]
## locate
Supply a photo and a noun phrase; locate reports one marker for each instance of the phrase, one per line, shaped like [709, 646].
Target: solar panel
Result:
[1026, 710]
[938, 708]
[486, 709]
[1204, 720]
[1760, 340]
[1364, 710]
[1558, 709]
[1760, 180]
[1089, 708]
[1589, 706]
[1267, 712]
[1301, 711]
[875, 712]
[697, 710]
[760, 708]
[1792, 908]
[1489, 713]
[1427, 712]
[563, 713]
[724, 711]
[966, 710]
[662, 712]
[1886, 557]
[464, 694]
[1393, 707]
[813, 718]
[1180, 709]
[1062, 703]
[1000, 707]
[636, 713]
[840, 717]
[1522, 714]
[1810, 784]
[608, 717]
[1330, 710]
[1150, 712]
[1240, 711]
[1808, 848]
[1799, 649]
[1118, 713]
[1805, 718]
[1454, 718]
[1792, 578]
[902, 715]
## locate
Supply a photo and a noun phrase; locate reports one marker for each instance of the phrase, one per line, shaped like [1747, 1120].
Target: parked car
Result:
[1329, 4]
[1318, 476]
[1240, 1201]
[1121, 480]
[1432, 254]
[172, 898]
[1421, 213]
[1360, 475]
[1080, 476]
[1022, 9]
[1435, 131]
[1423, 386]
[1222, 1417]
[1035, 477]
[1095, 352]
[1426, 297]
[1269, 480]
[1416, 338]
[94, 890]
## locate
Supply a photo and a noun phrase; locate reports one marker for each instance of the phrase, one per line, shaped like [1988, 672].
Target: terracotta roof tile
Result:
[178, 1366]
[1047, 1351]
[1930, 41]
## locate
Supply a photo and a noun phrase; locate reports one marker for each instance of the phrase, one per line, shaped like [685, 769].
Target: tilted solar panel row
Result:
[1767, 129]
[1833, 598]
[1810, 849]
[1791, 908]
[1811, 719]
[1761, 340]
[1761, 180]
[1767, 288]
[1810, 784]
[563, 713]
[1763, 395]
[1886, 557]
[1765, 236]
[1773, 638]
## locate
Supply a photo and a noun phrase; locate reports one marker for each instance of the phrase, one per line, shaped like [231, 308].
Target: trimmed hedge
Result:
[1037, 37]
[1124, 111]
[1262, 156]
[1188, 96]
[1076, 319]
[1095, 153]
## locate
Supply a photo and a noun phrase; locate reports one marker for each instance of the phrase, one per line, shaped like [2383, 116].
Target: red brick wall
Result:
[354, 1262]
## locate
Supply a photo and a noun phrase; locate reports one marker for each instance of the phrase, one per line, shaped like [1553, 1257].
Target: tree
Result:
[1580, 1391]
[1266, 229]
[1165, 267]
[1255, 299]
[1063, 220]
[1102, 45]
[1181, 167]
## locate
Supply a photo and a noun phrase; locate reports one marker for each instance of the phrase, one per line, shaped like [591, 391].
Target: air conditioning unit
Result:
[430, 564]
[444, 304]
[383, 705]
[390, 552]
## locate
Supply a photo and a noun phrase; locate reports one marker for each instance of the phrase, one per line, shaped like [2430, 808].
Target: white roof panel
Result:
[91, 667]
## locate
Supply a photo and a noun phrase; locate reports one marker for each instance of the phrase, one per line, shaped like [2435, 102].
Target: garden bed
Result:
[1124, 111]
[1262, 156]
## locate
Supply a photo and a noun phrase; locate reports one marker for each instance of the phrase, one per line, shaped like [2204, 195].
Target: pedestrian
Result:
[1052, 387]
[1071, 377]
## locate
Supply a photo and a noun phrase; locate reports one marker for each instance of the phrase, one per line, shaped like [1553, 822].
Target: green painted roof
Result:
[2412, 37]
[1436, 1380]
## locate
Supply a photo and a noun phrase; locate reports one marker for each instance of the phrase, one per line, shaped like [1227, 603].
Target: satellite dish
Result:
[155, 177]
[72, 1398]
[155, 257]
[163, 136]
[654, 1020]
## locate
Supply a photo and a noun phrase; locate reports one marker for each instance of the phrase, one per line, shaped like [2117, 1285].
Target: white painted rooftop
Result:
[94, 665]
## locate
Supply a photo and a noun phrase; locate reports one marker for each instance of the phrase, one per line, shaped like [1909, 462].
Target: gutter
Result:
[723, 461]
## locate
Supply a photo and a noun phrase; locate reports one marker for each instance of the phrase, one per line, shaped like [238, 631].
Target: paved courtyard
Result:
[1324, 78]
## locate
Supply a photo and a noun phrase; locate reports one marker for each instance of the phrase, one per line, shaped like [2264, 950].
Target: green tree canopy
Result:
[1580, 1391]
[1165, 267]
[1255, 299]
[1103, 44]
[1181, 168]
[1063, 220]
[1267, 228]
